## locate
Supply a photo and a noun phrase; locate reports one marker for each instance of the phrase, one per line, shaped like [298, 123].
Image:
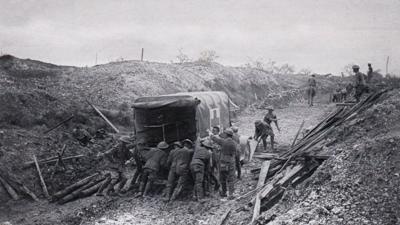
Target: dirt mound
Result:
[360, 183]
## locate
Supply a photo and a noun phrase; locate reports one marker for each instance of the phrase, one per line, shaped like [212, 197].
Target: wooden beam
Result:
[263, 173]
[58, 161]
[225, 216]
[103, 117]
[44, 187]
[50, 160]
[9, 189]
[256, 211]
[297, 134]
[58, 125]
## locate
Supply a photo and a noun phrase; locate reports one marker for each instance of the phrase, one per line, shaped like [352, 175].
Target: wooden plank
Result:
[9, 189]
[59, 124]
[263, 173]
[44, 187]
[345, 104]
[50, 160]
[103, 117]
[297, 134]
[225, 216]
[59, 159]
[256, 210]
[253, 146]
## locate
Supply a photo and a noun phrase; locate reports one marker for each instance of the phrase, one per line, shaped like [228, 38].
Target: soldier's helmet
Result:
[228, 131]
[188, 141]
[178, 143]
[162, 145]
[355, 67]
[207, 143]
[235, 129]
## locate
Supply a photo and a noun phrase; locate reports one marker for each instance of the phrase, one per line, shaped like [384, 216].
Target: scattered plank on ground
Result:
[10, 190]
[297, 134]
[59, 124]
[44, 187]
[50, 160]
[263, 173]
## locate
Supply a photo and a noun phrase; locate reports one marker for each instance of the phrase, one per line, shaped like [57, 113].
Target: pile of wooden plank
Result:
[279, 172]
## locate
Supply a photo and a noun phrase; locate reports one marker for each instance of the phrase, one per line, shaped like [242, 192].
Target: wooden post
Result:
[387, 65]
[141, 57]
[9, 189]
[297, 134]
[256, 211]
[58, 125]
[103, 117]
[44, 187]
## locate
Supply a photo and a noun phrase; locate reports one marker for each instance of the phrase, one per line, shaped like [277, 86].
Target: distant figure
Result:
[312, 86]
[359, 84]
[82, 135]
[370, 73]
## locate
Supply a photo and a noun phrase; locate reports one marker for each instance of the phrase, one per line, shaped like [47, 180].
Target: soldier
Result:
[138, 156]
[262, 131]
[201, 163]
[171, 164]
[82, 135]
[116, 159]
[229, 158]
[359, 85]
[269, 118]
[180, 169]
[155, 160]
[312, 86]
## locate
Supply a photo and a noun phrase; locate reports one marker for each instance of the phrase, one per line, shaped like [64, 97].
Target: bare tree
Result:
[208, 56]
[348, 69]
[305, 71]
[182, 57]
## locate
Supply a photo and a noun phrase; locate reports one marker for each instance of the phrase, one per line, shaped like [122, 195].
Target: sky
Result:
[321, 35]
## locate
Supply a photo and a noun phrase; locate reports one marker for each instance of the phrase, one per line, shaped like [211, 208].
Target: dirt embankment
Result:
[360, 183]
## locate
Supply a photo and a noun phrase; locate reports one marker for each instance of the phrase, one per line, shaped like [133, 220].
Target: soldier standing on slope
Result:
[359, 85]
[269, 118]
[312, 86]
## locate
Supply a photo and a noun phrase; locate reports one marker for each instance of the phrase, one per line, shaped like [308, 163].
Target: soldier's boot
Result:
[231, 190]
[147, 188]
[168, 194]
[141, 189]
[272, 143]
[223, 190]
[103, 188]
[199, 191]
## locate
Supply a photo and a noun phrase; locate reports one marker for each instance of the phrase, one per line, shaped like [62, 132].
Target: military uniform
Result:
[199, 166]
[360, 85]
[262, 130]
[312, 86]
[229, 159]
[114, 166]
[155, 160]
[179, 170]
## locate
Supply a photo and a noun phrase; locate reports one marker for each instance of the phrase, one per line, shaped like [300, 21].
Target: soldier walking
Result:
[312, 87]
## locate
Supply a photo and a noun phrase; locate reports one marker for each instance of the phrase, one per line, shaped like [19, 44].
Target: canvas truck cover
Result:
[180, 116]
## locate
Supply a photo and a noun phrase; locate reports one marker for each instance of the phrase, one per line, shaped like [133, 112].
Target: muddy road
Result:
[130, 210]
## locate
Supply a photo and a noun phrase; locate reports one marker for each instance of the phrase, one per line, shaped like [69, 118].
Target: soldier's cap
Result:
[228, 131]
[126, 139]
[270, 107]
[162, 145]
[257, 122]
[140, 142]
[178, 143]
[207, 143]
[235, 129]
[355, 67]
[187, 141]
[313, 75]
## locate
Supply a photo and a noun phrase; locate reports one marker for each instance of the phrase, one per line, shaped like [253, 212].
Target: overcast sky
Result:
[318, 34]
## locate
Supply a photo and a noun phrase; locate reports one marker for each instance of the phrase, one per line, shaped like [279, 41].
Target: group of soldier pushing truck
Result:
[211, 161]
[214, 160]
